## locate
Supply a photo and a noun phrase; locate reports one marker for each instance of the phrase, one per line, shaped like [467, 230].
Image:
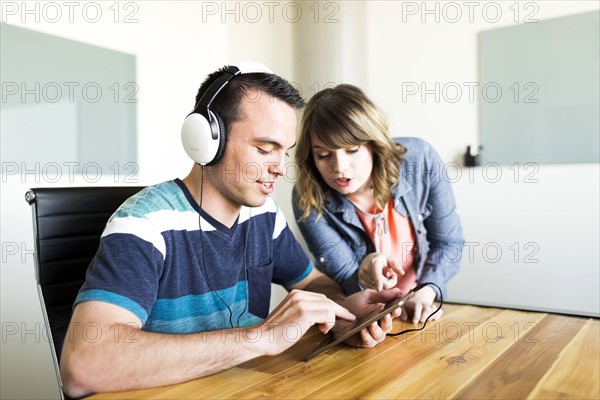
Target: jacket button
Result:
[322, 259]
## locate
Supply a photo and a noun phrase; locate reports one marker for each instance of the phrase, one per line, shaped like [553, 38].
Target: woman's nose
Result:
[341, 164]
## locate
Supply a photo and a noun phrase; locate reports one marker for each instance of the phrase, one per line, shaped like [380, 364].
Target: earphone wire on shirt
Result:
[204, 258]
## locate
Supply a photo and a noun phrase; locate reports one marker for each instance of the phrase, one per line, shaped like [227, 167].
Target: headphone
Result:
[203, 133]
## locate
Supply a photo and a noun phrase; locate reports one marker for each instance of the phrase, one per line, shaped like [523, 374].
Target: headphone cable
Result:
[417, 288]
[204, 252]
[246, 294]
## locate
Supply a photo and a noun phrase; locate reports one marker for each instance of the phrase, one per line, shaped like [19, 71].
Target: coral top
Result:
[393, 235]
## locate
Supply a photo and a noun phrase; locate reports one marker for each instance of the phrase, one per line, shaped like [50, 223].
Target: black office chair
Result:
[67, 224]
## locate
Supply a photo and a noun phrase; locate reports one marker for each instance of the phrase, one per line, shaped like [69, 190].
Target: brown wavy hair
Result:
[342, 117]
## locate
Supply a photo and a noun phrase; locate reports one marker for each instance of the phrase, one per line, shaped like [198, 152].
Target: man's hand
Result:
[420, 306]
[295, 315]
[379, 271]
[363, 303]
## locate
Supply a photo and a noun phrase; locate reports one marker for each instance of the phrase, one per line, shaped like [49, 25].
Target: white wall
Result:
[412, 47]
[498, 214]
[526, 211]
[377, 45]
[532, 238]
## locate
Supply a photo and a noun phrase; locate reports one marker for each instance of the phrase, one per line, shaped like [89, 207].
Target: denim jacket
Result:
[339, 242]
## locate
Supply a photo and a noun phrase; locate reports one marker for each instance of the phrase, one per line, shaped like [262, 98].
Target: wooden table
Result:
[472, 353]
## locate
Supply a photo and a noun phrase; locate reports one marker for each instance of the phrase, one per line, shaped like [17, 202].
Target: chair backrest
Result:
[67, 225]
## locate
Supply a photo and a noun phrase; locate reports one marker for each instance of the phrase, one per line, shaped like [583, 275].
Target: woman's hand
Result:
[361, 304]
[420, 306]
[379, 271]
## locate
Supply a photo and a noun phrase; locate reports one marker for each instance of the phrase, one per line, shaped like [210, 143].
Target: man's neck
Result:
[213, 202]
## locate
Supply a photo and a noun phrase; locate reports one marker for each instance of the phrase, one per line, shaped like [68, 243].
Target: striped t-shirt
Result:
[154, 261]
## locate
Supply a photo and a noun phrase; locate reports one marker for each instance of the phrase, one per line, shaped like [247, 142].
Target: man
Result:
[180, 285]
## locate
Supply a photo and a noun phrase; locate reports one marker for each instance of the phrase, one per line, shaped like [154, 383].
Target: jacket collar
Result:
[335, 202]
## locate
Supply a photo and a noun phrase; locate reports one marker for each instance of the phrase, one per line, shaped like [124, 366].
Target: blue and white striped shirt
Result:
[152, 254]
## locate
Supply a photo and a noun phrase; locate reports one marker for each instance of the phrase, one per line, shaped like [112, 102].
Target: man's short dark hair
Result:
[228, 101]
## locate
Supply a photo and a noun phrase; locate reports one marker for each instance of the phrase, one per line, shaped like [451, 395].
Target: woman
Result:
[375, 212]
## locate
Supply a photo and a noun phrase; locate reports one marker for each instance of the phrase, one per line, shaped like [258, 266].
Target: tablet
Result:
[363, 323]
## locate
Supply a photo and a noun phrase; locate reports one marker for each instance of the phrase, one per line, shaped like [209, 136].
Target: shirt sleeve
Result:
[127, 266]
[440, 217]
[290, 263]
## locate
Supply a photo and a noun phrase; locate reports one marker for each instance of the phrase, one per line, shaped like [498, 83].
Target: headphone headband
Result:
[203, 131]
[215, 88]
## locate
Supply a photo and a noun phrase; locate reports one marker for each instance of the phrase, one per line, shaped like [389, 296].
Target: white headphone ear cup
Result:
[222, 138]
[197, 139]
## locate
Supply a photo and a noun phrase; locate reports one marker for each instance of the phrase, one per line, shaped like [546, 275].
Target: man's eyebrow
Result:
[273, 143]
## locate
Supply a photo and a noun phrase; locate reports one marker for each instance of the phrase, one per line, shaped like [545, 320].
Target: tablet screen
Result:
[364, 322]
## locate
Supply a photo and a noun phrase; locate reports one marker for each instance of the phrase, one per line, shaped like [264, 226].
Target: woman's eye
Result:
[322, 156]
[353, 150]
[263, 151]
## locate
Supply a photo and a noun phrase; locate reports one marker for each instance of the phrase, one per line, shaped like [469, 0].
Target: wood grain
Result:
[298, 381]
[570, 375]
[516, 372]
[447, 370]
[472, 353]
[389, 367]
